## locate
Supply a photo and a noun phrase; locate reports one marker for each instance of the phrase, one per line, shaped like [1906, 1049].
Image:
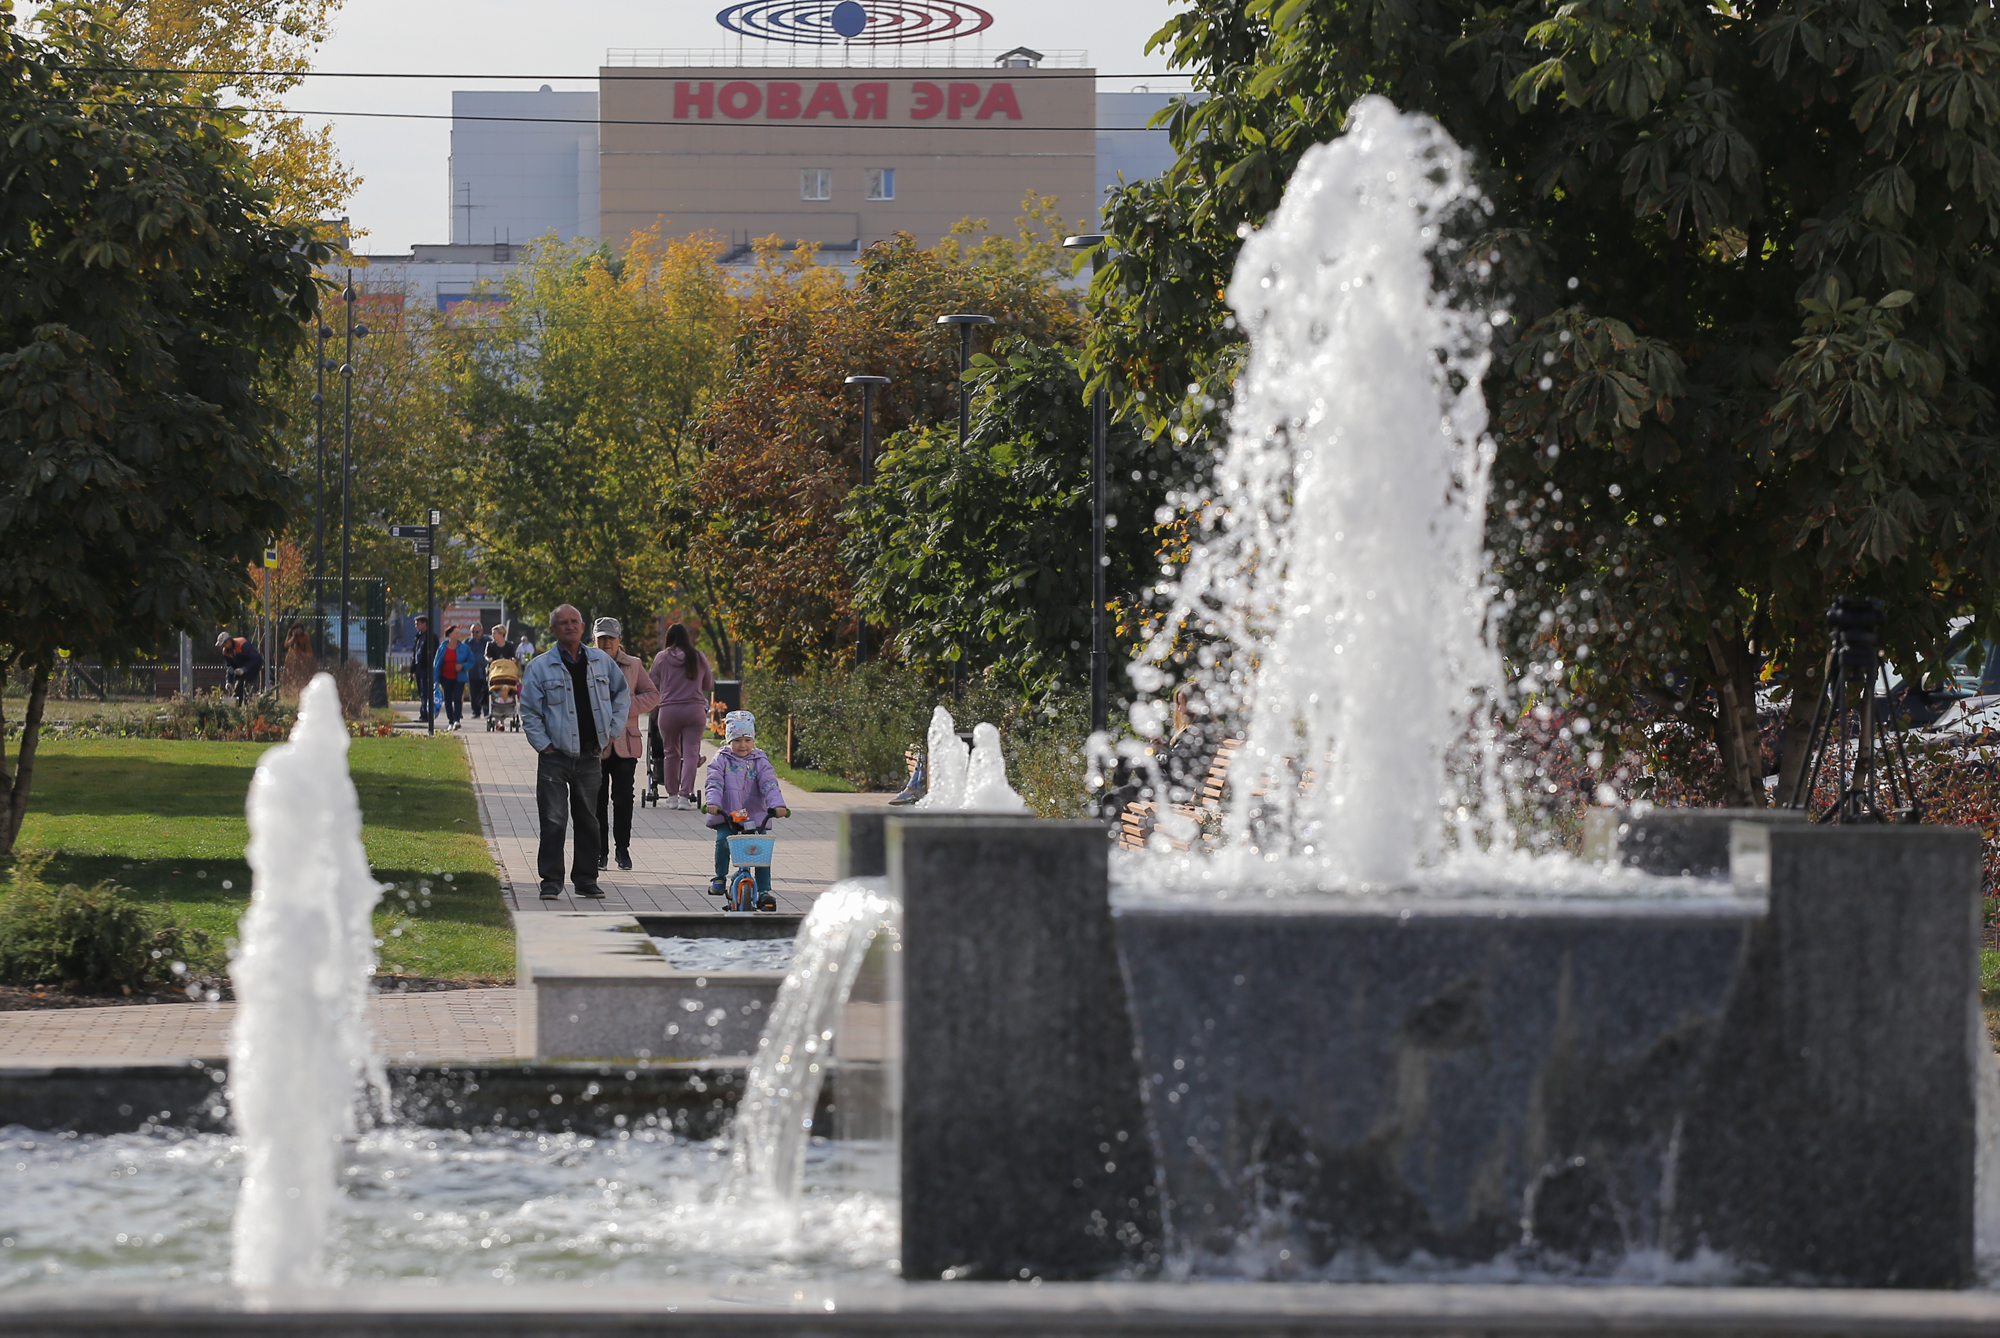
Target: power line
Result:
[814, 124]
[619, 74]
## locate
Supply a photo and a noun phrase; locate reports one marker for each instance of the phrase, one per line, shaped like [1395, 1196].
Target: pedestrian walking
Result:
[476, 648]
[574, 702]
[500, 648]
[422, 655]
[615, 793]
[452, 672]
[685, 682]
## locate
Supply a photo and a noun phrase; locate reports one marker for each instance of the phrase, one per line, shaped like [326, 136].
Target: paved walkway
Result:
[450, 1024]
[673, 853]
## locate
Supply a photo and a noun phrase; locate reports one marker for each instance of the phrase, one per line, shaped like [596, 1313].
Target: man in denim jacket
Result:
[572, 745]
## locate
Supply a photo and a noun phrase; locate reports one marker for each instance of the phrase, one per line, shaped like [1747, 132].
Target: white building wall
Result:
[1124, 144]
[530, 171]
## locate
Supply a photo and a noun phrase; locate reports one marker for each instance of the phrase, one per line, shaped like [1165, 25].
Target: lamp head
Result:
[1084, 241]
[964, 318]
[867, 380]
[360, 330]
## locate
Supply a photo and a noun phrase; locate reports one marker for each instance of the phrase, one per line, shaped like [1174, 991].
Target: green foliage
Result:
[91, 939]
[782, 438]
[574, 399]
[857, 724]
[145, 289]
[984, 554]
[1748, 255]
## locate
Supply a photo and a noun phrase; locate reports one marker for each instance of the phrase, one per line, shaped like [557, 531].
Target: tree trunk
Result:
[1736, 722]
[1808, 685]
[14, 785]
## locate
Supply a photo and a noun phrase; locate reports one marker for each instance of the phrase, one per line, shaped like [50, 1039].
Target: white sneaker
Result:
[680, 801]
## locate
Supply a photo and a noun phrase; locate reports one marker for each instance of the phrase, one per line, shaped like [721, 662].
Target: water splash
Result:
[301, 1041]
[1337, 589]
[774, 1120]
[986, 787]
[946, 767]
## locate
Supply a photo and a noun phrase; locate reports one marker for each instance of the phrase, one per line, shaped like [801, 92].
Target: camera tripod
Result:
[1854, 660]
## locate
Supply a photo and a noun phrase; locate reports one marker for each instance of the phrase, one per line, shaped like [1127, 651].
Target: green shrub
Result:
[90, 938]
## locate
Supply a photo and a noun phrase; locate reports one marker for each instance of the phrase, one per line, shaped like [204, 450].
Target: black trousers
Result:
[422, 673]
[616, 794]
[478, 695]
[566, 788]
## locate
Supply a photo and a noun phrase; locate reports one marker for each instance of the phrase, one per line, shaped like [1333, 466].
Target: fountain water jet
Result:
[774, 1120]
[301, 1043]
[1340, 572]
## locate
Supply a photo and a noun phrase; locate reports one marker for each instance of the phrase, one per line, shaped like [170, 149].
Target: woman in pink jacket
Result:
[621, 759]
[685, 684]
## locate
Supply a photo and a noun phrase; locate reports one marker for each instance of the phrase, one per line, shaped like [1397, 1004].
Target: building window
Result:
[881, 183]
[816, 183]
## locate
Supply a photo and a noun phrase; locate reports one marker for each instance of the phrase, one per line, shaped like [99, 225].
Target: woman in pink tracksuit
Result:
[686, 683]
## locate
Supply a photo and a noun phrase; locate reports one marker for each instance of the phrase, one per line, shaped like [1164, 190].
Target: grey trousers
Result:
[566, 792]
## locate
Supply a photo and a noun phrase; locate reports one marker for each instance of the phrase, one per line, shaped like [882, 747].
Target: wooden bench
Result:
[1137, 819]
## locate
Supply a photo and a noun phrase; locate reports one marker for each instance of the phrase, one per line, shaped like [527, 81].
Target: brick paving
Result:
[446, 1025]
[673, 853]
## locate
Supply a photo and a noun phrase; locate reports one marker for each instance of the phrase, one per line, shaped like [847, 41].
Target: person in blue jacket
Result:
[574, 702]
[453, 668]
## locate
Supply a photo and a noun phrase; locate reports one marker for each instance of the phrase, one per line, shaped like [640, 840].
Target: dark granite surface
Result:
[1024, 1152]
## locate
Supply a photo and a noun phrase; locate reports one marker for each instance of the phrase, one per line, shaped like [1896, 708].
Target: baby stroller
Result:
[656, 765]
[503, 701]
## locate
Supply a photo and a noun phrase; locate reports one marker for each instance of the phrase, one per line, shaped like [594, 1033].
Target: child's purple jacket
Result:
[747, 783]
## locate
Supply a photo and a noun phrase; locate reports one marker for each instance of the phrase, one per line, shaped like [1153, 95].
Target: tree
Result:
[248, 53]
[782, 438]
[1748, 254]
[984, 553]
[145, 291]
[574, 399]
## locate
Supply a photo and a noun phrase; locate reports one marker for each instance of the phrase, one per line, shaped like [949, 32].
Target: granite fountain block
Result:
[1782, 1072]
[1834, 1134]
[1354, 1083]
[1024, 1152]
[1691, 842]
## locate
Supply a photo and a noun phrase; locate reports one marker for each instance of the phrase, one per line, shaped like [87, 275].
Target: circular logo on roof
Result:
[877, 23]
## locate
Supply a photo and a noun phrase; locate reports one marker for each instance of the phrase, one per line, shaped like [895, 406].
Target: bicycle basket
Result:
[750, 850]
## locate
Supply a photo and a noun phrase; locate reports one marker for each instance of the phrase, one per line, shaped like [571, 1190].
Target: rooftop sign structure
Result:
[850, 23]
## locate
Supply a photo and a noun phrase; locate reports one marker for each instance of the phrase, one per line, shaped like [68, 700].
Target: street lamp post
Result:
[320, 369]
[868, 386]
[964, 320]
[1100, 687]
[354, 331]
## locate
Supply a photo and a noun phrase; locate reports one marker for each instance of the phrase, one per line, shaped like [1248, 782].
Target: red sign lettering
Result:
[962, 97]
[1000, 100]
[781, 102]
[930, 101]
[826, 98]
[701, 100]
[871, 102]
[741, 100]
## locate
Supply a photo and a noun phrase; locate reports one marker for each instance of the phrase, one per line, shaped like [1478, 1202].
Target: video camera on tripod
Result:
[1854, 660]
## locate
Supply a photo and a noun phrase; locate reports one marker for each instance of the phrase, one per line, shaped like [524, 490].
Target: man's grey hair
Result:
[557, 612]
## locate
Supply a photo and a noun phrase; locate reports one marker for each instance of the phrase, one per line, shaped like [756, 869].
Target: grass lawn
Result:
[164, 819]
[812, 782]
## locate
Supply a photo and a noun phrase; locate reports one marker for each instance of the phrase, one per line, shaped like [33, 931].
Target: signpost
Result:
[423, 538]
[270, 637]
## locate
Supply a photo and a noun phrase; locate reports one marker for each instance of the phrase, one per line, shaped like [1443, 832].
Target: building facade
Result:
[840, 157]
[523, 165]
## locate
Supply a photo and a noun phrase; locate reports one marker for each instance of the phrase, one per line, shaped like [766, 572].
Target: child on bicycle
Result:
[741, 795]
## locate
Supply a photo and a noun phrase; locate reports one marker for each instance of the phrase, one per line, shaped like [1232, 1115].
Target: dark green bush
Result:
[89, 938]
